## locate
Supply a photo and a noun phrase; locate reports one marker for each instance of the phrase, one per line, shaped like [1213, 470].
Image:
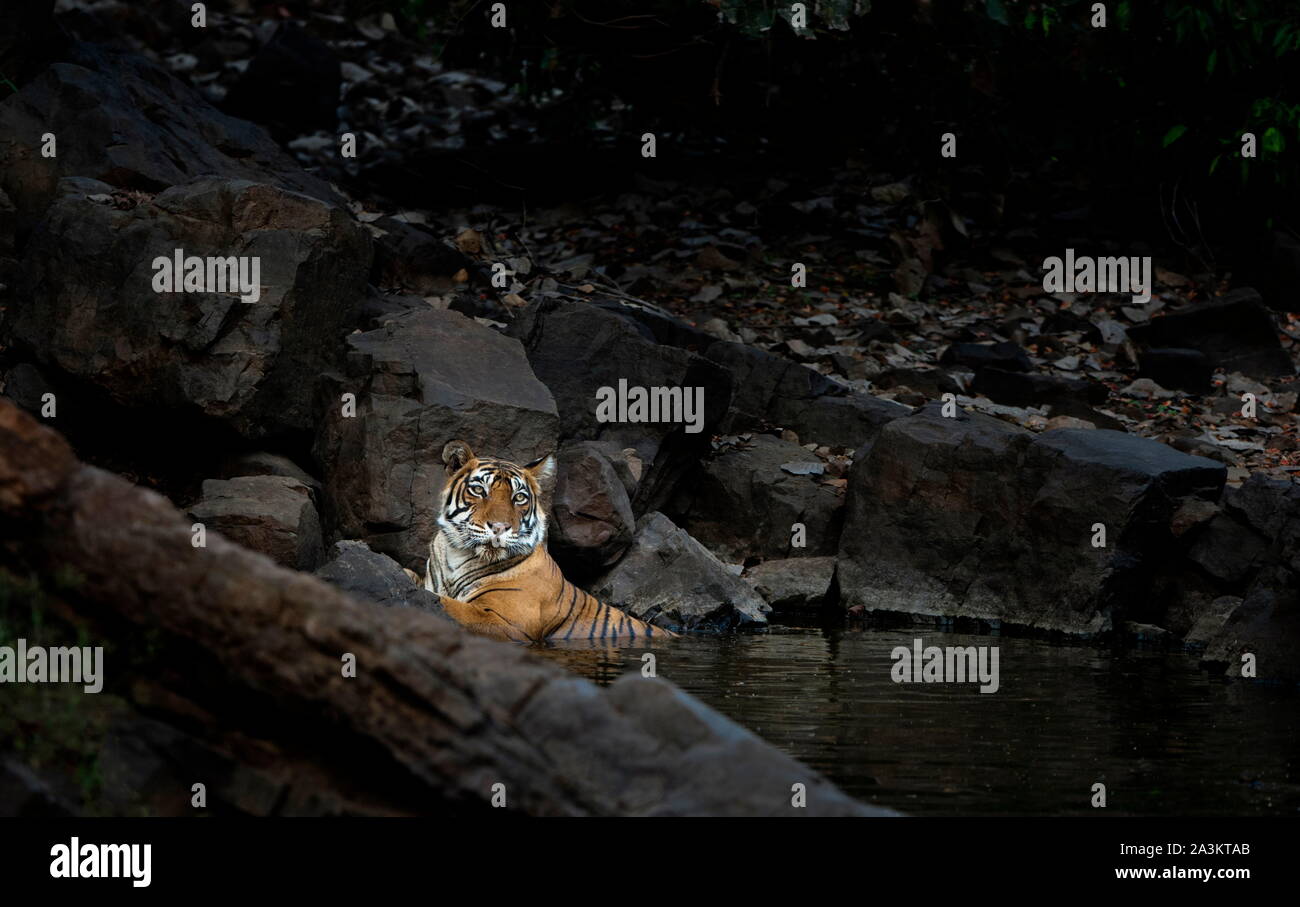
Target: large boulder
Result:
[375, 577]
[591, 520]
[1235, 332]
[421, 380]
[744, 502]
[270, 514]
[774, 390]
[973, 517]
[793, 584]
[265, 463]
[87, 304]
[577, 349]
[672, 580]
[124, 120]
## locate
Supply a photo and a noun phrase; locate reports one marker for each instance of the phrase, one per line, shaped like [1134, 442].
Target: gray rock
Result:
[422, 380]
[772, 389]
[270, 514]
[744, 503]
[974, 517]
[88, 306]
[1025, 389]
[576, 349]
[1235, 332]
[1007, 356]
[1210, 621]
[126, 121]
[591, 515]
[263, 463]
[26, 793]
[375, 577]
[792, 584]
[671, 579]
[1228, 551]
[412, 257]
[25, 385]
[1267, 625]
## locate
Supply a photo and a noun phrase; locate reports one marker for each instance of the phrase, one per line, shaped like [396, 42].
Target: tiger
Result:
[488, 562]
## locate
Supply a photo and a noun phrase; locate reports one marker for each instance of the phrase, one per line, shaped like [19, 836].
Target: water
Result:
[1165, 737]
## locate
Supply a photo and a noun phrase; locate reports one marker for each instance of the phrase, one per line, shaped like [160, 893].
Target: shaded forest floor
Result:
[896, 273]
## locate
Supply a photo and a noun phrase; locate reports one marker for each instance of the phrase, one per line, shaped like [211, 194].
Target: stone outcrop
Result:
[256, 698]
[744, 503]
[88, 305]
[671, 579]
[270, 514]
[975, 517]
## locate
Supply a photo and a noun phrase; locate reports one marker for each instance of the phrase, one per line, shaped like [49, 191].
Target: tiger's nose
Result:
[499, 528]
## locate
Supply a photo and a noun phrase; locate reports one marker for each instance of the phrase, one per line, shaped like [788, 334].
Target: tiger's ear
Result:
[543, 471]
[455, 455]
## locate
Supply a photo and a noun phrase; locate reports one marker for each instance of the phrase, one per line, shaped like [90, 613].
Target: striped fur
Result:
[489, 565]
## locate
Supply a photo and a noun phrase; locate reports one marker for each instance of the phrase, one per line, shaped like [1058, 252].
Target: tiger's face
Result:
[493, 507]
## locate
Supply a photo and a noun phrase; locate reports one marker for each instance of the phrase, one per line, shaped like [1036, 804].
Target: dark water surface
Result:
[1164, 736]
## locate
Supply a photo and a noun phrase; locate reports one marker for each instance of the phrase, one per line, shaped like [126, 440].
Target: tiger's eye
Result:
[476, 490]
[521, 498]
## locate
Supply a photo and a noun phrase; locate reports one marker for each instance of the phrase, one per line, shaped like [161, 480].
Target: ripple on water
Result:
[1164, 736]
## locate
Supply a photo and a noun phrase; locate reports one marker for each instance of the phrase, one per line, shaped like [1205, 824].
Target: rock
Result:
[88, 306]
[291, 85]
[744, 502]
[770, 388]
[375, 577]
[932, 382]
[577, 349]
[245, 655]
[1235, 332]
[412, 257]
[25, 385]
[123, 120]
[1068, 422]
[1187, 370]
[1146, 389]
[1027, 389]
[670, 579]
[591, 516]
[1192, 514]
[1210, 621]
[974, 517]
[1272, 508]
[422, 380]
[657, 324]
[272, 515]
[1266, 625]
[791, 584]
[25, 794]
[1228, 551]
[263, 463]
[1146, 633]
[1007, 356]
